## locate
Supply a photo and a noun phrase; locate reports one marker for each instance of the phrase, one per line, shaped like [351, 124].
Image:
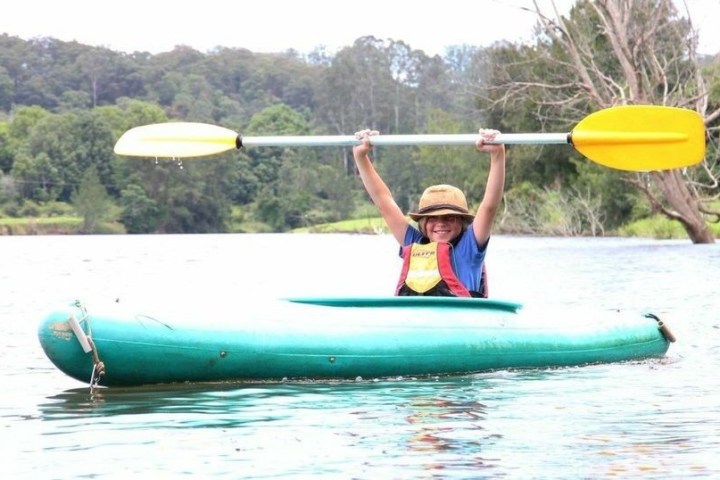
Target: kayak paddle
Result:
[630, 137]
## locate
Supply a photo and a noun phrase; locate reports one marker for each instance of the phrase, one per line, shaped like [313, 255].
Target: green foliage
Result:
[527, 111]
[653, 227]
[190, 197]
[8, 191]
[128, 113]
[295, 187]
[658, 226]
[92, 202]
[463, 167]
[24, 120]
[619, 201]
[370, 225]
[58, 149]
[6, 153]
[29, 208]
[6, 89]
[140, 214]
[556, 212]
[276, 120]
[66, 104]
[42, 226]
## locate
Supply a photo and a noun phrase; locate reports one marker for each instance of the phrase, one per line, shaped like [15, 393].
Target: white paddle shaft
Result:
[433, 139]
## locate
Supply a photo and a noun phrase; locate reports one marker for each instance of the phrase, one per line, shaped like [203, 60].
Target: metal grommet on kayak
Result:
[87, 344]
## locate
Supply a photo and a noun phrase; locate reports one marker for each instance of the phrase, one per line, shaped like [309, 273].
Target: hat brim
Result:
[468, 218]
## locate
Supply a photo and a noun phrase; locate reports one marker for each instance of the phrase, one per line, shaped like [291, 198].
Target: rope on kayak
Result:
[662, 327]
[87, 344]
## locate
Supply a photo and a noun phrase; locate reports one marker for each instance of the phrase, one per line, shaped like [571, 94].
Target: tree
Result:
[462, 166]
[295, 187]
[95, 65]
[6, 154]
[71, 142]
[92, 201]
[611, 52]
[140, 214]
[6, 90]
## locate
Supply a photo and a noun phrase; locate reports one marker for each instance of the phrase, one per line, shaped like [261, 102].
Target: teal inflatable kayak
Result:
[335, 338]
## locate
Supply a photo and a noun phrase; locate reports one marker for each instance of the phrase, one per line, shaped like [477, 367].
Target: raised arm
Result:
[375, 186]
[485, 215]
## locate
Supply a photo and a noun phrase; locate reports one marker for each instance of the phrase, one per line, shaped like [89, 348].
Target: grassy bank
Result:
[656, 227]
[659, 227]
[40, 226]
[65, 225]
[362, 225]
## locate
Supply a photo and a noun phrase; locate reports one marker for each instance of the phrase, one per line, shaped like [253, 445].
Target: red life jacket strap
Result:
[483, 278]
[447, 273]
[405, 268]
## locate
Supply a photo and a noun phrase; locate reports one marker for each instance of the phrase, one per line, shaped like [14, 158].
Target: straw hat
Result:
[442, 200]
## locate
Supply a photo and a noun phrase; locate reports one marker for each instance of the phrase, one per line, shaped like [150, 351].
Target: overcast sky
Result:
[277, 25]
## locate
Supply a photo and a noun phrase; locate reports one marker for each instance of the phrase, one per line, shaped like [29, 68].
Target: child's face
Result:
[443, 228]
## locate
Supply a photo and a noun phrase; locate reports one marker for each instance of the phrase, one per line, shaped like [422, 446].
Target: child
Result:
[445, 254]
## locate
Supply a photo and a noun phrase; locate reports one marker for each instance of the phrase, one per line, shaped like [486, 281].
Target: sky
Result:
[303, 25]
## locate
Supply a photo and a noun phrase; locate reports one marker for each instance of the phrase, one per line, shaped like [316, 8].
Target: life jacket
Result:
[428, 270]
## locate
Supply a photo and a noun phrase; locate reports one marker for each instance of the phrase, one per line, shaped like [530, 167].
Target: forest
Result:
[63, 105]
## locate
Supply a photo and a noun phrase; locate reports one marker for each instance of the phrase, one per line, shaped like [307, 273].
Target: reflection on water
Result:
[433, 424]
[502, 423]
[195, 402]
[235, 399]
[652, 419]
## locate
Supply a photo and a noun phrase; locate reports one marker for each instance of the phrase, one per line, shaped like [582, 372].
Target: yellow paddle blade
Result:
[641, 137]
[176, 140]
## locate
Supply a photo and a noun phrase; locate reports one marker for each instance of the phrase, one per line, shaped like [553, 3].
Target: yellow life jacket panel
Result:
[428, 270]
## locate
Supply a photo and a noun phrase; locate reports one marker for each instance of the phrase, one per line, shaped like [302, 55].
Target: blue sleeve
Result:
[412, 235]
[469, 257]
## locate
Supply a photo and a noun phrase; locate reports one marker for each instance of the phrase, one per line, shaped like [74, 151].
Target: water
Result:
[650, 419]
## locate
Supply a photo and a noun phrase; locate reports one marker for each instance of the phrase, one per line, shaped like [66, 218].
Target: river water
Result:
[651, 419]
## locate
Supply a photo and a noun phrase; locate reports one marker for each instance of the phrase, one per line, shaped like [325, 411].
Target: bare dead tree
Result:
[616, 52]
